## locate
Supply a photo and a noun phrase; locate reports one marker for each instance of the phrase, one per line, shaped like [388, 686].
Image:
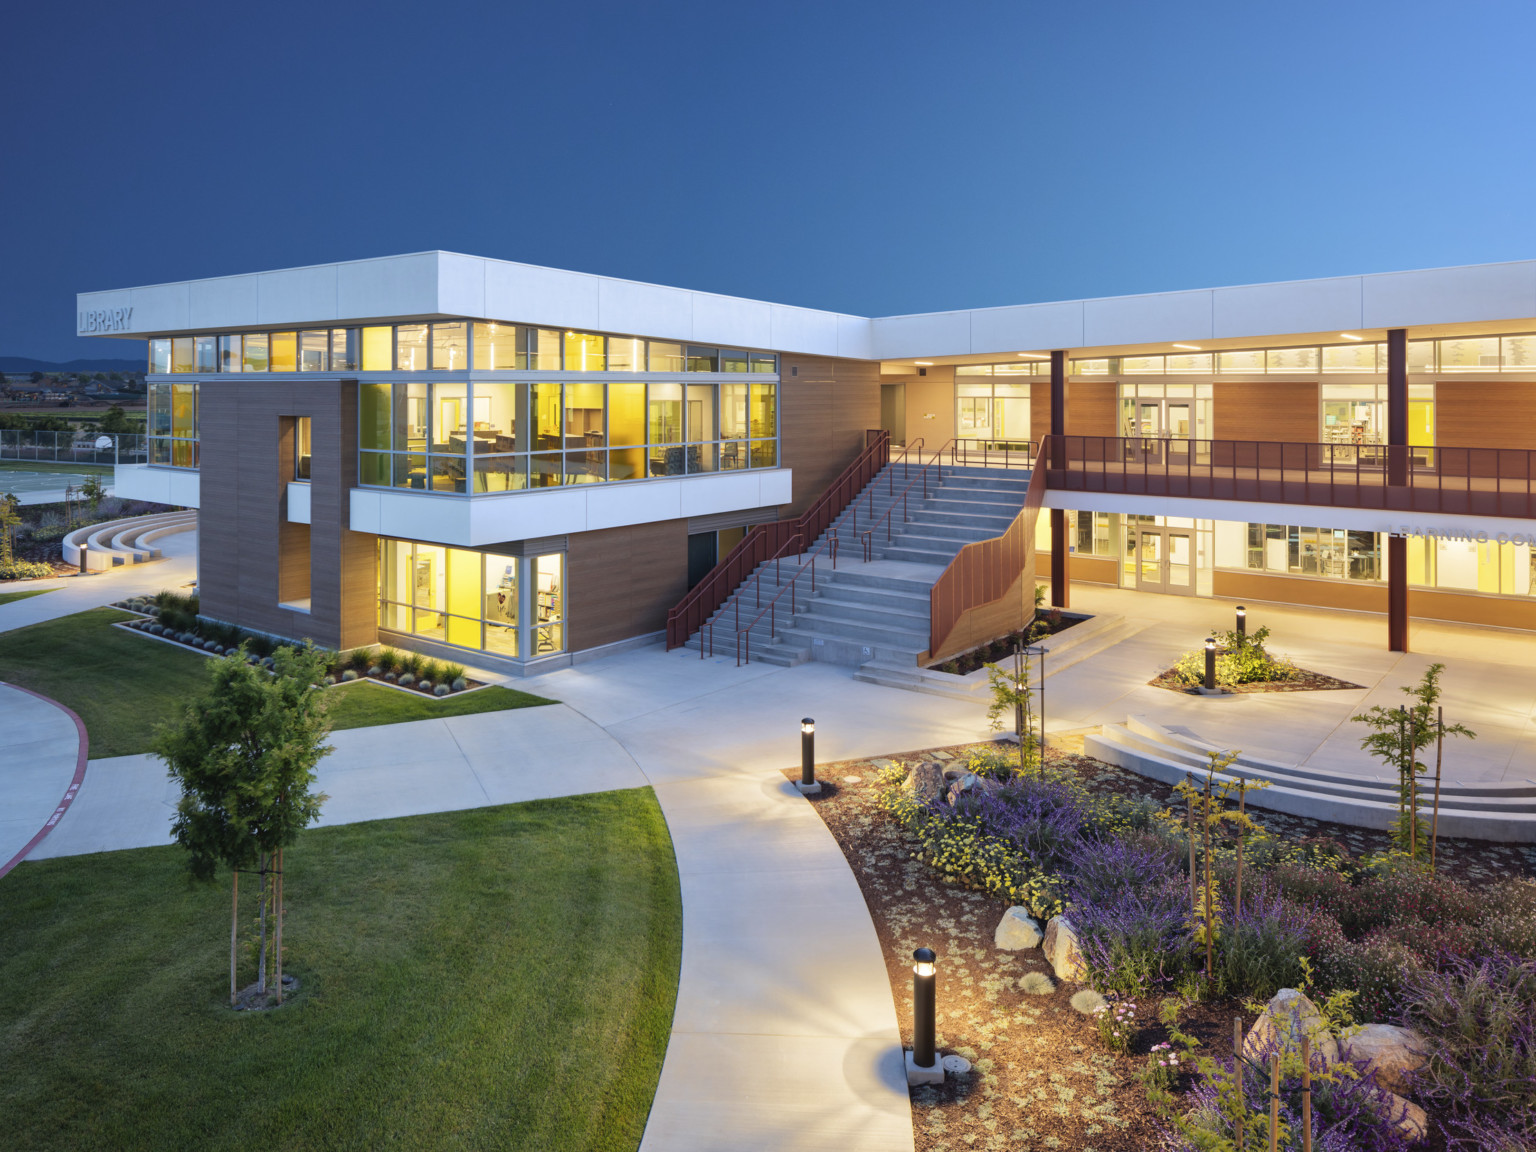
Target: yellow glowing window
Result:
[584, 352]
[285, 352]
[378, 349]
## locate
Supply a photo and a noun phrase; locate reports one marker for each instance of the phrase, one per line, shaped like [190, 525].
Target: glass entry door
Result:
[1163, 559]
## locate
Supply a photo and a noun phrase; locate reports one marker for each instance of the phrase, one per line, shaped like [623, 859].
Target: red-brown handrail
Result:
[922, 478]
[744, 635]
[1402, 478]
[868, 493]
[983, 572]
[765, 541]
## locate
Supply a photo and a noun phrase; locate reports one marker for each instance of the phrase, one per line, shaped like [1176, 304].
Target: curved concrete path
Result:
[784, 1035]
[71, 594]
[42, 763]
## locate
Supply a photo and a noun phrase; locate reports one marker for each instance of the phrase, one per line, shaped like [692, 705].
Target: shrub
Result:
[24, 570]
[1099, 871]
[406, 680]
[1117, 1024]
[460, 684]
[1321, 888]
[412, 663]
[1480, 1020]
[1350, 1112]
[1260, 947]
[431, 670]
[1376, 967]
[453, 672]
[349, 675]
[1510, 925]
[1241, 659]
[440, 690]
[387, 659]
[1136, 942]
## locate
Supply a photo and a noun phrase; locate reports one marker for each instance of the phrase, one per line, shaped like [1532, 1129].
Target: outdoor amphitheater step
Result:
[1503, 811]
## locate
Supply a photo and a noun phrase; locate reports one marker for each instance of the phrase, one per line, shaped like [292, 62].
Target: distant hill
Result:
[24, 364]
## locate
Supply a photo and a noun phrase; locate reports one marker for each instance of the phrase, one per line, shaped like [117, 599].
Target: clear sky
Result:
[875, 157]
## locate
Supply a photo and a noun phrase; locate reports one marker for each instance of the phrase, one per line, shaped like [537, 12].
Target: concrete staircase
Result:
[1503, 812]
[874, 610]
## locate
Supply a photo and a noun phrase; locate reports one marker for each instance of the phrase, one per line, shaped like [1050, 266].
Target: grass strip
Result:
[121, 684]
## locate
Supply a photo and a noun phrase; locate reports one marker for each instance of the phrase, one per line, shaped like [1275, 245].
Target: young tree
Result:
[115, 420]
[245, 753]
[91, 489]
[1396, 737]
[10, 517]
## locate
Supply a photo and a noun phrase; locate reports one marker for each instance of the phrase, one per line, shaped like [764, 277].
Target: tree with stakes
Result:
[1397, 735]
[244, 753]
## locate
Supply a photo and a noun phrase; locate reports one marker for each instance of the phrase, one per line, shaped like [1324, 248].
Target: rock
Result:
[1087, 1001]
[1391, 1052]
[1287, 1017]
[1407, 1117]
[1063, 950]
[925, 782]
[1017, 930]
[971, 783]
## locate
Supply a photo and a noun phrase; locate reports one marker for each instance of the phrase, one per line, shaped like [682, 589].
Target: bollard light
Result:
[923, 981]
[1242, 620]
[808, 785]
[1210, 663]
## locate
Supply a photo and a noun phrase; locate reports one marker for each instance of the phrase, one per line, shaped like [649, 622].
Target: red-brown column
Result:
[1061, 585]
[1397, 473]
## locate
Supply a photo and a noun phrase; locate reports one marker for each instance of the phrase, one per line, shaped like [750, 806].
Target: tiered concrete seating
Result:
[1503, 811]
[117, 543]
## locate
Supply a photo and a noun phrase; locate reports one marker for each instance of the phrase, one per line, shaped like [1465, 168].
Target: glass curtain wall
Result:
[473, 600]
[499, 436]
[171, 423]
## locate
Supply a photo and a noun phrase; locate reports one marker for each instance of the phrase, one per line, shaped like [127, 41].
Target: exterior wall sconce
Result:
[808, 784]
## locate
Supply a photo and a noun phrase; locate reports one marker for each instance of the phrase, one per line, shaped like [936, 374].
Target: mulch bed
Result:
[1303, 681]
[1041, 1079]
[1046, 624]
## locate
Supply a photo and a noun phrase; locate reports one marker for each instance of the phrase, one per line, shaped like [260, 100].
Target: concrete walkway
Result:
[1487, 683]
[40, 747]
[77, 593]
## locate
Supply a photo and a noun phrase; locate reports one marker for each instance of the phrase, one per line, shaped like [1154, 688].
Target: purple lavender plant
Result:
[1042, 819]
[1101, 871]
[1136, 941]
[1350, 1113]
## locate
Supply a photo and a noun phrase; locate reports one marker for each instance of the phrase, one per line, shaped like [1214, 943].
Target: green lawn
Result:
[122, 685]
[51, 466]
[500, 978]
[7, 597]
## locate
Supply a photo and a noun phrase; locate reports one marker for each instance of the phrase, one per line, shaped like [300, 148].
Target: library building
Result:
[520, 467]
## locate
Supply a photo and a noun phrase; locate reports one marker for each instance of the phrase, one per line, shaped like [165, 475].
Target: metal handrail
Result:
[905, 517]
[744, 635]
[869, 493]
[791, 546]
[694, 610]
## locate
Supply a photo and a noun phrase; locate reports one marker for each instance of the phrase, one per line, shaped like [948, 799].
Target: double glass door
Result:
[1163, 559]
[1161, 431]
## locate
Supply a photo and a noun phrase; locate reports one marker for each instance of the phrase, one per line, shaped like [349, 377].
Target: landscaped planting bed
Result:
[174, 618]
[1370, 937]
[1244, 664]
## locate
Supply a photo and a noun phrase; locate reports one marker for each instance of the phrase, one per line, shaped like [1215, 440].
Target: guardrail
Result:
[765, 542]
[1406, 478]
[74, 447]
[744, 635]
[973, 593]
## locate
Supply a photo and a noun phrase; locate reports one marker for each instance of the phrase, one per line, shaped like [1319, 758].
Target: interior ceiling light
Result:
[1033, 356]
[924, 363]
[1191, 347]
[1347, 336]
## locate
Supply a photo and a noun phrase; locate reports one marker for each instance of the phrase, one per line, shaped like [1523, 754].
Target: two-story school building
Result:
[521, 466]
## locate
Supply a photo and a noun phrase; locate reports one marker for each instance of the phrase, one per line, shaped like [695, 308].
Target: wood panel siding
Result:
[242, 522]
[622, 581]
[1281, 410]
[824, 410]
[1475, 414]
[1092, 407]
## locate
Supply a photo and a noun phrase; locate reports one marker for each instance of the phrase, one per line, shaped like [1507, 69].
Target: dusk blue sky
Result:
[873, 158]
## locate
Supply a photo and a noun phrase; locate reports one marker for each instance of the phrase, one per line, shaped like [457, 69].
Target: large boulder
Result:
[925, 782]
[1017, 930]
[969, 784]
[1286, 1019]
[1408, 1118]
[1063, 949]
[1393, 1053]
